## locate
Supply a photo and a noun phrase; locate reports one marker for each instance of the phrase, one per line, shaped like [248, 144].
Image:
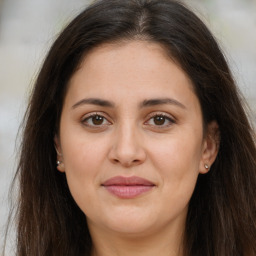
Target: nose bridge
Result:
[127, 148]
[127, 137]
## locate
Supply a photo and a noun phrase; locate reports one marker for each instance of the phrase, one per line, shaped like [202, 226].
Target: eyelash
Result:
[166, 118]
[87, 120]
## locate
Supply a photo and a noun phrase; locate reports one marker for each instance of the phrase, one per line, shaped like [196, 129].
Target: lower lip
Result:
[128, 191]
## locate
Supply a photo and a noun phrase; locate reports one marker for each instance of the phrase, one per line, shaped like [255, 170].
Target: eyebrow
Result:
[161, 101]
[94, 101]
[145, 103]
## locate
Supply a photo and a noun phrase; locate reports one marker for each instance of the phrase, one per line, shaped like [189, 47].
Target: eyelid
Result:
[107, 119]
[93, 114]
[169, 117]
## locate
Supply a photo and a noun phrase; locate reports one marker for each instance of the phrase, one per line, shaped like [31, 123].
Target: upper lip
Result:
[127, 181]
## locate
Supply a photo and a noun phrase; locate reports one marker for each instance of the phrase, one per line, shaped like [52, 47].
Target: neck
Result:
[162, 243]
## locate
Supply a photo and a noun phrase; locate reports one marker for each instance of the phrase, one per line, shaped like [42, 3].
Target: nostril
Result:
[127, 154]
[126, 163]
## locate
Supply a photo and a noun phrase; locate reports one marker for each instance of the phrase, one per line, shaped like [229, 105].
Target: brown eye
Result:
[97, 120]
[159, 120]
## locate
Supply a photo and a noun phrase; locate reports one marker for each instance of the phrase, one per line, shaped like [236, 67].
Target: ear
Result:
[59, 161]
[210, 147]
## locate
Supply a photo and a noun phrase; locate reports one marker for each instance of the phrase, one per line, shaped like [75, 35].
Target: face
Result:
[131, 139]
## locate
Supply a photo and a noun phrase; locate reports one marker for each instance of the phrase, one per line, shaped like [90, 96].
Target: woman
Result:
[137, 107]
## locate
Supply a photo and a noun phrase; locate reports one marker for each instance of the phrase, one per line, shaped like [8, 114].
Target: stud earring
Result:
[58, 162]
[206, 166]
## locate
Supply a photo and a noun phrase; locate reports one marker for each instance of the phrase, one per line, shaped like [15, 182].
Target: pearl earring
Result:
[58, 162]
[206, 166]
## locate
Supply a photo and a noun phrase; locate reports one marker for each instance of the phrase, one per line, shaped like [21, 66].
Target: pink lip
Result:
[128, 187]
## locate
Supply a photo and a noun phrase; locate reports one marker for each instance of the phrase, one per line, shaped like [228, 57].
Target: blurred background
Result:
[28, 28]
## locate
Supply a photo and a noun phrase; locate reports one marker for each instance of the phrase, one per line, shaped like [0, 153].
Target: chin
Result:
[129, 222]
[131, 228]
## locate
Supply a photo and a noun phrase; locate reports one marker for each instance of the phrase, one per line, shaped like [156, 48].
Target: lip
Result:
[128, 187]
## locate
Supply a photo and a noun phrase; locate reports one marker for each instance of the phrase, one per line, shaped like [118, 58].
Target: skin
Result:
[129, 140]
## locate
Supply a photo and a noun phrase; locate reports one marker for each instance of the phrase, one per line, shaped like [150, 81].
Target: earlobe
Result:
[60, 166]
[210, 147]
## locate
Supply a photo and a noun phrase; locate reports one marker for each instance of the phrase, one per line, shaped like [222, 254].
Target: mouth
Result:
[128, 187]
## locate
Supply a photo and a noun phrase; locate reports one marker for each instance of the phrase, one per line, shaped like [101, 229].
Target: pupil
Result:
[159, 120]
[97, 120]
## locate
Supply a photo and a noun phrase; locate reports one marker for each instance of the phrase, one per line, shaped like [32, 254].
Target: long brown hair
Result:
[221, 219]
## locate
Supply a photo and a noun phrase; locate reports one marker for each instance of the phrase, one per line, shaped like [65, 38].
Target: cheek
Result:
[81, 152]
[177, 161]
[82, 159]
[178, 155]
[178, 167]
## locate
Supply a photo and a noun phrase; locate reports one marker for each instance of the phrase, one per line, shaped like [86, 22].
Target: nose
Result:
[127, 147]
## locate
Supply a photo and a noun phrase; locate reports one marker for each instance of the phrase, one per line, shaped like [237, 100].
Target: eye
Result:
[95, 120]
[160, 120]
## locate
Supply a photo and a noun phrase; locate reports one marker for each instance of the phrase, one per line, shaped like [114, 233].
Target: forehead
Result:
[143, 56]
[137, 68]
